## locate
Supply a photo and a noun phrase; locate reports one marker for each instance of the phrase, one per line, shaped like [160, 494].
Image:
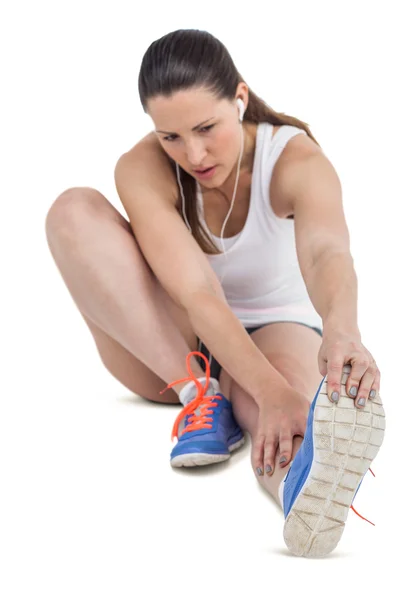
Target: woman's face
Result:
[198, 131]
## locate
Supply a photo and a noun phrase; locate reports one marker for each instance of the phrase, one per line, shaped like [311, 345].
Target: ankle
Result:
[189, 391]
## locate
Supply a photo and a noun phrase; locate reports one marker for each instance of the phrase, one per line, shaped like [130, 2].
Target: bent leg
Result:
[142, 336]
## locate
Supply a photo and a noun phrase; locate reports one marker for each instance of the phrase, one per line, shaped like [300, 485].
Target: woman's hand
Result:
[282, 416]
[340, 348]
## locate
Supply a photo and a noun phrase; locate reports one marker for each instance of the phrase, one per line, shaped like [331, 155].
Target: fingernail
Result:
[268, 469]
[361, 401]
[372, 394]
[259, 471]
[282, 460]
[353, 390]
[335, 397]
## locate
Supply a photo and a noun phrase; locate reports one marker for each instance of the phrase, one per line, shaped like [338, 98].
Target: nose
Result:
[196, 153]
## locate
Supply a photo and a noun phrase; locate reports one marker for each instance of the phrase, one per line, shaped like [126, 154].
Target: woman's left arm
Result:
[332, 286]
[310, 187]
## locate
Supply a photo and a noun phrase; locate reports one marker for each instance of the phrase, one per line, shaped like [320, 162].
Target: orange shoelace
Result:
[352, 507]
[201, 403]
[205, 405]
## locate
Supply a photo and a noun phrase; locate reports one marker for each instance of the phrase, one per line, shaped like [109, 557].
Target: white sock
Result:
[189, 392]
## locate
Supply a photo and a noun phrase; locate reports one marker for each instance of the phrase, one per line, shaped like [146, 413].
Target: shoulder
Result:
[147, 150]
[148, 155]
[298, 148]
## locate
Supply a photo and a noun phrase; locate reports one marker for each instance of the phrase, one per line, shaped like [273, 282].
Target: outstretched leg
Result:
[293, 350]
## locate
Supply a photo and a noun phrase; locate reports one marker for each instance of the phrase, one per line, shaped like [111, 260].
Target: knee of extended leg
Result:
[69, 207]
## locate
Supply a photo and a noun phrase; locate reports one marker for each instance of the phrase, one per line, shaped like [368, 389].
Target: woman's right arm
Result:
[184, 271]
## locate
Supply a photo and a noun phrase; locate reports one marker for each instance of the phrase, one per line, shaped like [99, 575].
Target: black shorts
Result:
[215, 367]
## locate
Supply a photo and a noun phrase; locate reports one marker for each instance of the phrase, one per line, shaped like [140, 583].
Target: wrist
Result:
[336, 324]
[266, 386]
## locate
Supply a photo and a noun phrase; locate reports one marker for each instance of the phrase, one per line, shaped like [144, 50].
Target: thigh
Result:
[292, 349]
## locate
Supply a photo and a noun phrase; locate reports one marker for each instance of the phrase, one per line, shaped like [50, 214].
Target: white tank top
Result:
[260, 273]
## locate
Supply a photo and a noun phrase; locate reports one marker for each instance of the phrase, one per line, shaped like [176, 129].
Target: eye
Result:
[207, 128]
[168, 138]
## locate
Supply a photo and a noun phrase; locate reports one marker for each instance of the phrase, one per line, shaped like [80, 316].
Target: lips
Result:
[204, 170]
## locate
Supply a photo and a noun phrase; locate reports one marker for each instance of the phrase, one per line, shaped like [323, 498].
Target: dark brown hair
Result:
[190, 58]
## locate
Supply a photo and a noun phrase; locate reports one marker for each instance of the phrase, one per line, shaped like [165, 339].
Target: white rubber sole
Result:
[200, 459]
[346, 440]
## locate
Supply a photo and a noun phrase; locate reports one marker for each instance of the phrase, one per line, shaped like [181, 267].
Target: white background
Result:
[89, 505]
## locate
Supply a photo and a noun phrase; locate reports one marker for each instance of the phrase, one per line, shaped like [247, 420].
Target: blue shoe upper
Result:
[298, 472]
[216, 439]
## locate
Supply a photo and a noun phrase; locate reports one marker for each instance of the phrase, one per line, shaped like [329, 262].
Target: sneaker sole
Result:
[345, 442]
[200, 459]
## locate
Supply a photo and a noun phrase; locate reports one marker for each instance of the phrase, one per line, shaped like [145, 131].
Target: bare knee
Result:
[76, 206]
[67, 209]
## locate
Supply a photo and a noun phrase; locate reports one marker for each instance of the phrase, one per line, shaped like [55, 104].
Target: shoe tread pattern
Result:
[346, 439]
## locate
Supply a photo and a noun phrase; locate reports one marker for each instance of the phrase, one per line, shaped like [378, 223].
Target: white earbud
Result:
[240, 104]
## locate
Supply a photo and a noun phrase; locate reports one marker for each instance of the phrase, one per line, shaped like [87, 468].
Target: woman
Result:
[249, 263]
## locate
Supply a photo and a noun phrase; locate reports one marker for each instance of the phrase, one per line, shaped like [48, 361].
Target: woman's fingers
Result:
[270, 446]
[257, 452]
[285, 446]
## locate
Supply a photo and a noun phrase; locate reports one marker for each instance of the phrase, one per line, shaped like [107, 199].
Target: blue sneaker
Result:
[339, 445]
[205, 428]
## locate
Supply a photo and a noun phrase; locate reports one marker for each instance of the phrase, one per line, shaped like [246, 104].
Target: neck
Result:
[246, 166]
[249, 132]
